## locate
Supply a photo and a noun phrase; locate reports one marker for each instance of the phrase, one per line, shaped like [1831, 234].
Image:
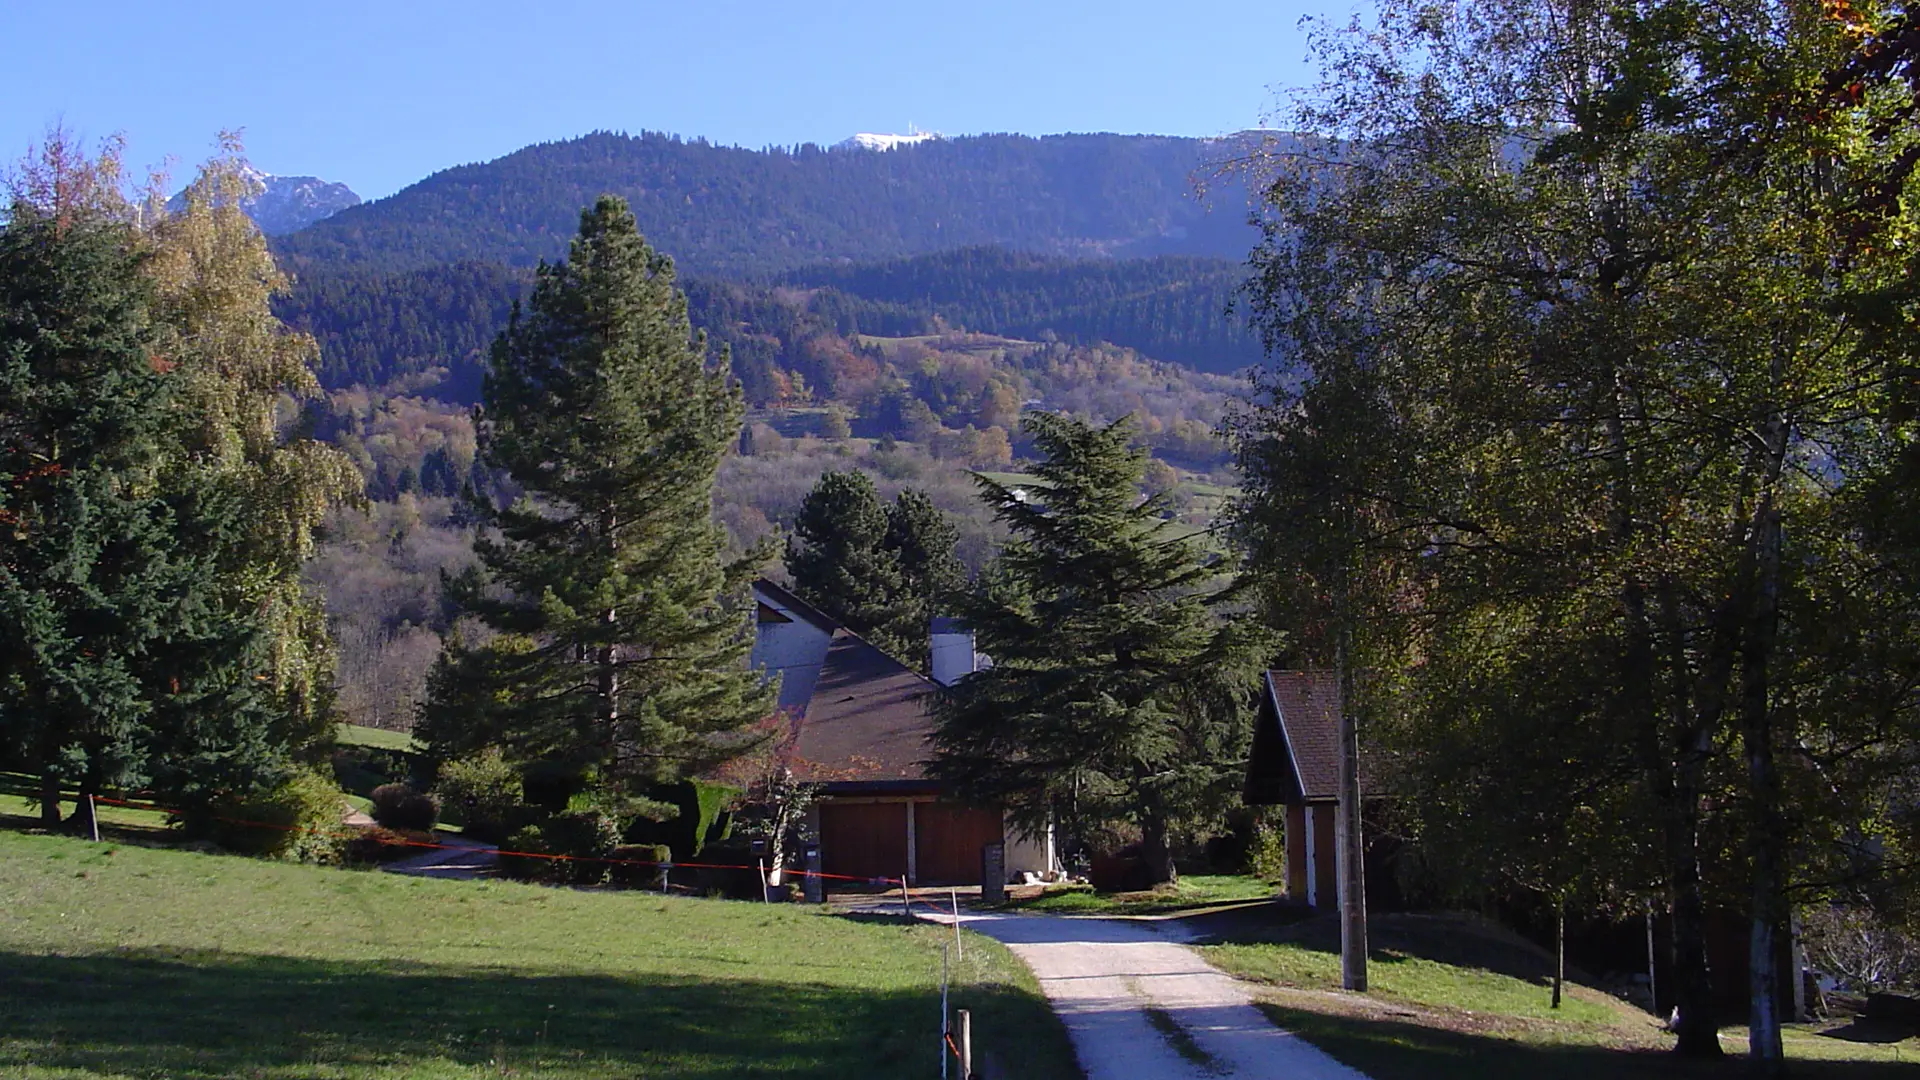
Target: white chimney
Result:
[953, 655]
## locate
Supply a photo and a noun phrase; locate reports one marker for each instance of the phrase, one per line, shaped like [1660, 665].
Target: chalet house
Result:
[1295, 762]
[862, 724]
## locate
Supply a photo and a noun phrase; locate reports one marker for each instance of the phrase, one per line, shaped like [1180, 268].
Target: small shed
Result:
[1295, 762]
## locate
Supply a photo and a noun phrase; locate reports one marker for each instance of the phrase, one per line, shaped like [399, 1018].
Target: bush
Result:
[1267, 855]
[532, 841]
[376, 844]
[641, 865]
[482, 793]
[550, 785]
[702, 819]
[300, 819]
[719, 880]
[398, 806]
[581, 838]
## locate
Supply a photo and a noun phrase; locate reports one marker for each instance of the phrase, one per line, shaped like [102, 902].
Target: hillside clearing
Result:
[125, 961]
[1454, 998]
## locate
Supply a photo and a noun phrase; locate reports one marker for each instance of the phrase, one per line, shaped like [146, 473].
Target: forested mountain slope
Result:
[376, 327]
[731, 211]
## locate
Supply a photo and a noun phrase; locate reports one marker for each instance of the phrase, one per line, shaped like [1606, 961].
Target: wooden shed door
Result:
[950, 837]
[864, 840]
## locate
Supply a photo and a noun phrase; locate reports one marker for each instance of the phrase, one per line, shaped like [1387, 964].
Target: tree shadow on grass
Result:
[196, 1016]
[1387, 1049]
[1458, 940]
[1862, 1030]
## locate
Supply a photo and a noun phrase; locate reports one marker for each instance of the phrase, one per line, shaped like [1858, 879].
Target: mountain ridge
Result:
[736, 212]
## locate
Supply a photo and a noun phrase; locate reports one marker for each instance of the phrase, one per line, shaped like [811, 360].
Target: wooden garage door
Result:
[950, 837]
[863, 840]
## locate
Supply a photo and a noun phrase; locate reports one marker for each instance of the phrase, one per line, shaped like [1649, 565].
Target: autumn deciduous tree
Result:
[1593, 353]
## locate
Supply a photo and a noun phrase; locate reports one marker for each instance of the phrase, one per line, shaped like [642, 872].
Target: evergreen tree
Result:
[882, 569]
[601, 405]
[838, 558]
[923, 541]
[1120, 691]
[115, 652]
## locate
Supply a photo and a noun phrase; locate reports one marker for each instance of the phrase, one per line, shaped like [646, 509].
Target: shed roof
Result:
[1296, 740]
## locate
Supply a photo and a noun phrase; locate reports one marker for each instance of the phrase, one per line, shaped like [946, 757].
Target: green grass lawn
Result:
[135, 962]
[1454, 999]
[375, 738]
[1194, 891]
[19, 794]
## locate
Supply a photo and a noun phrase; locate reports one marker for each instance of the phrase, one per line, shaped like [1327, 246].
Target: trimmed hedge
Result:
[583, 838]
[703, 819]
[398, 806]
[645, 868]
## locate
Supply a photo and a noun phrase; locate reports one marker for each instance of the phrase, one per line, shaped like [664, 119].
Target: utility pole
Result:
[1350, 861]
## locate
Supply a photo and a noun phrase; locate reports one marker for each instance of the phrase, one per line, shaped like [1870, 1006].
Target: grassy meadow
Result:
[1451, 998]
[1192, 891]
[129, 961]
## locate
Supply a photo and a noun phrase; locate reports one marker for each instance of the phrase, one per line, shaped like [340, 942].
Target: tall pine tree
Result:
[602, 406]
[1120, 692]
[883, 569]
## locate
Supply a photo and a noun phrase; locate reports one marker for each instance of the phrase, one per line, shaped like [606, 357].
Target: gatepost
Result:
[993, 873]
[814, 888]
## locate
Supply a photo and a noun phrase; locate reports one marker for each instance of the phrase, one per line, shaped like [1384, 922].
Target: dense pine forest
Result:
[733, 211]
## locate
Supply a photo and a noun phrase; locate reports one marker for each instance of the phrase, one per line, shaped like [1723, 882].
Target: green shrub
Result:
[398, 806]
[582, 838]
[482, 793]
[639, 865]
[300, 819]
[352, 774]
[1267, 855]
[550, 785]
[702, 818]
[722, 880]
[518, 851]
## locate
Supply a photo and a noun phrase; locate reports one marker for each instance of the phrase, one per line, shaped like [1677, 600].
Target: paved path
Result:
[461, 858]
[1103, 974]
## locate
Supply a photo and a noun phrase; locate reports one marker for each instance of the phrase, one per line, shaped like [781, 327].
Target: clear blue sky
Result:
[379, 95]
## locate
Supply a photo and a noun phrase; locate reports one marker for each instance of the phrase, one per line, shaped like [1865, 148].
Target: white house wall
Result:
[795, 651]
[1029, 854]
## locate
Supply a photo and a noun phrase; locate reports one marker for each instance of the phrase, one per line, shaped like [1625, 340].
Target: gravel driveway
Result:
[1103, 975]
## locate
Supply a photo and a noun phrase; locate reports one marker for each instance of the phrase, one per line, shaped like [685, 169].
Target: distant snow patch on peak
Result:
[868, 140]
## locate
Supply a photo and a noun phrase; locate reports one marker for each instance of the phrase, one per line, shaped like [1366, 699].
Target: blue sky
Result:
[379, 95]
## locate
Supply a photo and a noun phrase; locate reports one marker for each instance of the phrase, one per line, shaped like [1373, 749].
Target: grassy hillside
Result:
[1455, 999]
[128, 961]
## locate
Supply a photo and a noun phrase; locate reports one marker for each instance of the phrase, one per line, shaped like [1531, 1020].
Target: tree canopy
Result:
[624, 631]
[1121, 688]
[1603, 348]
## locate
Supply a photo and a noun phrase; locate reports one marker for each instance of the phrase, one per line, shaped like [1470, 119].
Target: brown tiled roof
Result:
[1296, 740]
[1309, 710]
[870, 717]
